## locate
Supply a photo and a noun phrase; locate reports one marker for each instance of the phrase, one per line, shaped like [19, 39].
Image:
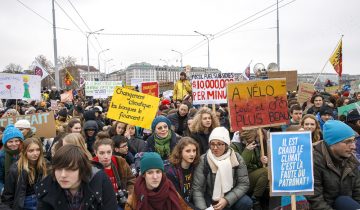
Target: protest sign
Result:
[67, 96]
[332, 89]
[133, 108]
[344, 110]
[99, 93]
[291, 163]
[291, 78]
[53, 105]
[150, 88]
[167, 94]
[42, 124]
[20, 86]
[355, 86]
[109, 86]
[260, 103]
[306, 90]
[210, 88]
[129, 87]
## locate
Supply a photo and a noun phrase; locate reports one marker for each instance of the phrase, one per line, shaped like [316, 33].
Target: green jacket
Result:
[251, 157]
[332, 180]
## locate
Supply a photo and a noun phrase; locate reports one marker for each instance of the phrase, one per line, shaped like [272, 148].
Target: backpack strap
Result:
[117, 177]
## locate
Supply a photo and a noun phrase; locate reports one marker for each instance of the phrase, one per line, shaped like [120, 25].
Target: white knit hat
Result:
[221, 134]
[22, 124]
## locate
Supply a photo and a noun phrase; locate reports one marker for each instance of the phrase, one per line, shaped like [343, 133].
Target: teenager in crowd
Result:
[310, 123]
[121, 149]
[25, 128]
[318, 101]
[135, 144]
[90, 130]
[179, 119]
[221, 178]
[204, 122]
[75, 184]
[19, 190]
[12, 140]
[325, 113]
[74, 126]
[182, 162]
[118, 128]
[153, 190]
[295, 116]
[163, 139]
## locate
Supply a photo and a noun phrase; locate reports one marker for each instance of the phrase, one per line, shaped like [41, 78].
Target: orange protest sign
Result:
[150, 88]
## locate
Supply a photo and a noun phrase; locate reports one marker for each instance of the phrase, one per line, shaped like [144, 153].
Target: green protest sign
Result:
[343, 110]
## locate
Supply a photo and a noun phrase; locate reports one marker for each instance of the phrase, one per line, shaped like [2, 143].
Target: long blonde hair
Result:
[78, 140]
[196, 125]
[23, 163]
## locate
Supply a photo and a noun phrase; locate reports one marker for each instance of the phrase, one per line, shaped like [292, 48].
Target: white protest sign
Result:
[109, 86]
[210, 88]
[99, 93]
[20, 86]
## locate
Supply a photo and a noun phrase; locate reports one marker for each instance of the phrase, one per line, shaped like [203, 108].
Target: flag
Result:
[336, 59]
[246, 73]
[68, 76]
[81, 81]
[40, 70]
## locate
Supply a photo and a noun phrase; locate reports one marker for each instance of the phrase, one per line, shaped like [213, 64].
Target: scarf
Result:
[163, 197]
[162, 146]
[224, 179]
[9, 157]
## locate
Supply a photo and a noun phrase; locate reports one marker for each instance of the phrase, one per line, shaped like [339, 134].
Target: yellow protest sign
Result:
[332, 89]
[133, 108]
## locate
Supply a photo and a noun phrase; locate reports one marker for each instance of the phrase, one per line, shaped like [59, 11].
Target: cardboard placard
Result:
[150, 88]
[67, 96]
[291, 161]
[291, 78]
[306, 91]
[255, 104]
[332, 89]
[133, 108]
[109, 86]
[210, 88]
[344, 110]
[101, 93]
[42, 124]
[20, 86]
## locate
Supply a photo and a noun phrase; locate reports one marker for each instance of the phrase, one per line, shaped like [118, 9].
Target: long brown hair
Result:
[176, 155]
[317, 132]
[23, 163]
[197, 126]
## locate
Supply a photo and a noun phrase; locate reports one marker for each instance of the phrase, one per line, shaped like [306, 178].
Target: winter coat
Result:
[15, 188]
[151, 143]
[203, 140]
[178, 122]
[90, 140]
[181, 89]
[126, 177]
[136, 145]
[2, 167]
[203, 186]
[331, 181]
[98, 193]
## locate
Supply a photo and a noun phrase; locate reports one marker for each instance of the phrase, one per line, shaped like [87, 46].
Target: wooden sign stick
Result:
[293, 202]
[261, 138]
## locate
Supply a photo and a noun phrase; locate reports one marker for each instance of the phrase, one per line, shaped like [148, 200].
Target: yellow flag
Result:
[336, 59]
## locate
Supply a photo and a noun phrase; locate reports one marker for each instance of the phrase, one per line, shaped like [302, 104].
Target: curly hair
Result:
[317, 132]
[176, 155]
[197, 125]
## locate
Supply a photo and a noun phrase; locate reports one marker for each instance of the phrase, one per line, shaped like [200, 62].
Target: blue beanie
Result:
[151, 160]
[336, 131]
[159, 119]
[11, 132]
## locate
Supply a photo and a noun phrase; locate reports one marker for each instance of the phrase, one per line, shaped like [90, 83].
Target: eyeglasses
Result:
[123, 146]
[165, 127]
[219, 145]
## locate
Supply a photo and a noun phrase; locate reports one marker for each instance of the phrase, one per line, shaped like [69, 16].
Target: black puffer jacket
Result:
[91, 124]
[15, 188]
[98, 193]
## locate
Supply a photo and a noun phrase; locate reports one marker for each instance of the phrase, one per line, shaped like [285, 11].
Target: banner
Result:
[336, 59]
[67, 96]
[150, 88]
[40, 70]
[291, 163]
[290, 76]
[210, 88]
[20, 86]
[306, 91]
[332, 89]
[42, 124]
[260, 103]
[99, 93]
[109, 86]
[344, 110]
[133, 108]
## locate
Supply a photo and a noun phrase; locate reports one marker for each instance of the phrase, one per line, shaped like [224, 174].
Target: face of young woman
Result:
[120, 128]
[217, 147]
[309, 124]
[206, 120]
[76, 128]
[13, 144]
[188, 154]
[33, 153]
[153, 178]
[68, 179]
[131, 130]
[162, 129]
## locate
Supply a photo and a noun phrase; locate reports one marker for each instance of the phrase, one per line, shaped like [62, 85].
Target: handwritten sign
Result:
[20, 86]
[306, 90]
[101, 93]
[332, 89]
[210, 88]
[291, 163]
[344, 110]
[109, 86]
[42, 124]
[260, 103]
[132, 107]
[150, 88]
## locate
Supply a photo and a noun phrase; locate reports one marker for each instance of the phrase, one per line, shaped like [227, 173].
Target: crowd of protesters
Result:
[188, 160]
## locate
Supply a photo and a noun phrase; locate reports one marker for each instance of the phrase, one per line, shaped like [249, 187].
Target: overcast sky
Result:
[309, 32]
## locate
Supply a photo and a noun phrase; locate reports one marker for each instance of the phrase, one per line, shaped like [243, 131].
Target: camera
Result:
[121, 197]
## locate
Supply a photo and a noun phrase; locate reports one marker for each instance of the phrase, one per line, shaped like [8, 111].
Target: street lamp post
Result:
[99, 57]
[181, 57]
[105, 66]
[208, 41]
[87, 48]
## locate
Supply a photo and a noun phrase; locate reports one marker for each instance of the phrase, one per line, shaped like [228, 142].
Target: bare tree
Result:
[45, 63]
[13, 68]
[66, 61]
